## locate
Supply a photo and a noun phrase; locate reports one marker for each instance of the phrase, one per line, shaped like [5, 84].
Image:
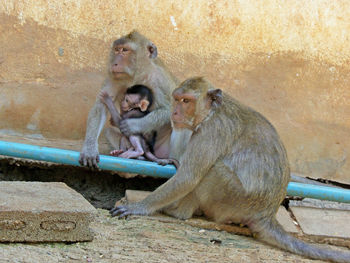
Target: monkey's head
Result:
[137, 97]
[193, 101]
[129, 54]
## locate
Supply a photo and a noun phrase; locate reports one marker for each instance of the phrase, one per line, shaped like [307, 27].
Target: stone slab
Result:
[309, 202]
[40, 212]
[323, 222]
[282, 216]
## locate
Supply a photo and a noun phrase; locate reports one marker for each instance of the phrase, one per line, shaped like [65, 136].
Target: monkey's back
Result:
[252, 172]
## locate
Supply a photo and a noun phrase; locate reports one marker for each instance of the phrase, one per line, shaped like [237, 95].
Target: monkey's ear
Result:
[215, 96]
[143, 105]
[153, 53]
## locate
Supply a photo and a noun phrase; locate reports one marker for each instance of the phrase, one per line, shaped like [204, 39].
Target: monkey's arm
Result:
[134, 113]
[195, 163]
[115, 115]
[151, 122]
[89, 155]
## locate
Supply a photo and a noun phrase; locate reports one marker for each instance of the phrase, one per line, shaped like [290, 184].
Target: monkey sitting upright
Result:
[234, 168]
[135, 104]
[133, 60]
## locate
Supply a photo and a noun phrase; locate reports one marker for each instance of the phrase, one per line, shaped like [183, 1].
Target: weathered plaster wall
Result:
[287, 59]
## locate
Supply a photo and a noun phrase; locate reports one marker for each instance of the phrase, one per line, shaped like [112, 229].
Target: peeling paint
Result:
[172, 19]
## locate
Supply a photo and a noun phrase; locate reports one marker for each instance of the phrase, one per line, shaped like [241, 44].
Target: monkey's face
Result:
[189, 109]
[122, 61]
[134, 101]
[184, 108]
[193, 102]
[129, 54]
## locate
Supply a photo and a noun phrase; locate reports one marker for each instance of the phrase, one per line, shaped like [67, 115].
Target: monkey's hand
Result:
[130, 209]
[168, 161]
[89, 156]
[131, 126]
[104, 96]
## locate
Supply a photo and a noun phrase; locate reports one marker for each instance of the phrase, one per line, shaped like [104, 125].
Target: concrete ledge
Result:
[38, 212]
[323, 221]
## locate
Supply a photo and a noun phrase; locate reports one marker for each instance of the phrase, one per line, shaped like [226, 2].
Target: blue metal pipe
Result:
[319, 192]
[61, 156]
[69, 157]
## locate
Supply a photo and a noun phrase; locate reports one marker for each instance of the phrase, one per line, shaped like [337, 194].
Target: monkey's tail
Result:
[272, 233]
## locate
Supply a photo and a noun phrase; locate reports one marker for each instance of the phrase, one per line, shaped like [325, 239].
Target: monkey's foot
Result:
[168, 161]
[116, 152]
[125, 210]
[131, 154]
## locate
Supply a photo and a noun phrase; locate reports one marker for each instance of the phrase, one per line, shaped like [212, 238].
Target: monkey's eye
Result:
[185, 100]
[124, 49]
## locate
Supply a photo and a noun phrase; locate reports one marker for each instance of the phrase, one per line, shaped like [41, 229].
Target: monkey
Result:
[135, 104]
[133, 60]
[234, 169]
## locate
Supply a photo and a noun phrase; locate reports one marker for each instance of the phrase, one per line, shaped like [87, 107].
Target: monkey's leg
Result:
[125, 144]
[116, 152]
[116, 140]
[184, 208]
[136, 143]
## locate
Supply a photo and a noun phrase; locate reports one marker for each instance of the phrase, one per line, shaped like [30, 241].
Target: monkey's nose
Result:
[115, 67]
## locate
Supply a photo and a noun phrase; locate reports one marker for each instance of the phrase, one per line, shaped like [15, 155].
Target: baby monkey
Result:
[135, 104]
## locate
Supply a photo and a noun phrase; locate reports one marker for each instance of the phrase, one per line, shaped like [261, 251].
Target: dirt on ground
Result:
[146, 240]
[140, 239]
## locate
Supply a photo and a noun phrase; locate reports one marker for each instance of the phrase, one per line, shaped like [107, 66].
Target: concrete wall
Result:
[287, 59]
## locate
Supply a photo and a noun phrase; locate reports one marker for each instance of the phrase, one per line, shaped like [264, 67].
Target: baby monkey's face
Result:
[134, 101]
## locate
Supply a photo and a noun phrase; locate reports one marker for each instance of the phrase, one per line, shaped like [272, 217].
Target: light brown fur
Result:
[140, 65]
[235, 168]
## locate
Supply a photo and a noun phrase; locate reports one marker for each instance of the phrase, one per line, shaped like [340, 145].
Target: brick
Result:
[323, 222]
[39, 212]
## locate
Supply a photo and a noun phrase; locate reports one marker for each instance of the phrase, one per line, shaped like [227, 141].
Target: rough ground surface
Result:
[143, 240]
[135, 240]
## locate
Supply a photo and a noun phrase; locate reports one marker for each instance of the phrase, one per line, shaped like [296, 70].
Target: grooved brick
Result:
[38, 212]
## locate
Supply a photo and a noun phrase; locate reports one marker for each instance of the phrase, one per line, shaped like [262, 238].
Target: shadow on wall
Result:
[49, 80]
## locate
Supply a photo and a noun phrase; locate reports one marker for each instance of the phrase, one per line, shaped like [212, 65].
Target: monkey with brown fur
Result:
[135, 104]
[133, 60]
[234, 169]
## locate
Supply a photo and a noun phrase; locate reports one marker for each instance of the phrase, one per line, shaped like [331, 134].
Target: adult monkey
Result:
[133, 60]
[235, 168]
